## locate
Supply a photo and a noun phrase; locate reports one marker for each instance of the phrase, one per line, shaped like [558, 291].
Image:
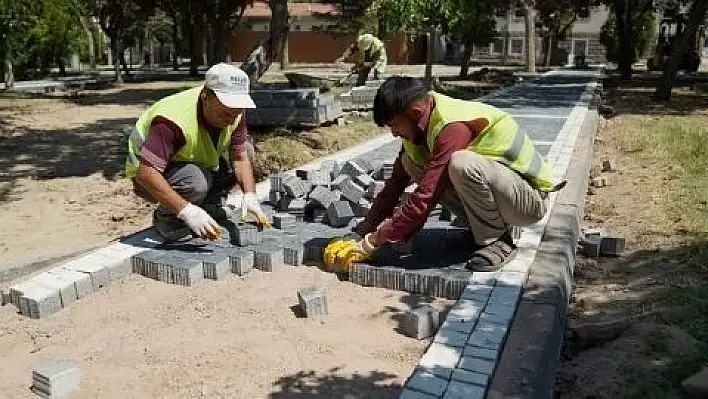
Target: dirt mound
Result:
[642, 353]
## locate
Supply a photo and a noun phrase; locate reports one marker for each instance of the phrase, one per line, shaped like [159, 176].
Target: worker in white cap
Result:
[188, 150]
[372, 55]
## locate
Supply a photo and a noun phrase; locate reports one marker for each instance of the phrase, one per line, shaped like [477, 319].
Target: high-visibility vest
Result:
[376, 53]
[500, 140]
[181, 109]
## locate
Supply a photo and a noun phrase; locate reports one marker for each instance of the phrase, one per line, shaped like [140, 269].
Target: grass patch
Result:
[283, 149]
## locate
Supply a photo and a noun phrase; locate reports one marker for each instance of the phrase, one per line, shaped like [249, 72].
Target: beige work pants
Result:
[489, 195]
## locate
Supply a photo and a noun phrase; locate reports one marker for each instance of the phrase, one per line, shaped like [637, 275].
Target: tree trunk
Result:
[264, 53]
[623, 25]
[116, 60]
[698, 12]
[194, 49]
[285, 54]
[219, 40]
[89, 41]
[430, 55]
[121, 58]
[466, 57]
[549, 50]
[9, 75]
[175, 43]
[530, 28]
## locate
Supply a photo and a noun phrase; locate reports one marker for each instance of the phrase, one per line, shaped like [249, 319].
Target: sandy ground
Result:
[233, 338]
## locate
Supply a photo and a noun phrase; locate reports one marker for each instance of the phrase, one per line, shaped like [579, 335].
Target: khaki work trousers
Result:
[489, 195]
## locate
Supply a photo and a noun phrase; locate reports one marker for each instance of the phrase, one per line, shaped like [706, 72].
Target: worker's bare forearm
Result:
[153, 181]
[244, 172]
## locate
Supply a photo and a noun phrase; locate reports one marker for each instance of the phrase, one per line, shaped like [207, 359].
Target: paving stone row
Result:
[280, 106]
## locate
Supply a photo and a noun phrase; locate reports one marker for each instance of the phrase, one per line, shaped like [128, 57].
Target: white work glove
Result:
[200, 222]
[249, 203]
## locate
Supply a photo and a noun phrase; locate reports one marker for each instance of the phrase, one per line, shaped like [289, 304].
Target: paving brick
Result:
[82, 281]
[274, 197]
[477, 293]
[283, 220]
[314, 249]
[321, 196]
[364, 181]
[266, 258]
[284, 202]
[293, 254]
[459, 325]
[411, 394]
[39, 301]
[296, 187]
[494, 318]
[374, 189]
[505, 296]
[421, 322]
[352, 191]
[477, 365]
[241, 261]
[313, 301]
[247, 234]
[480, 353]
[499, 309]
[65, 287]
[320, 178]
[352, 169]
[451, 338]
[465, 310]
[497, 332]
[339, 213]
[56, 379]
[484, 340]
[440, 360]
[362, 208]
[216, 266]
[427, 383]
[98, 272]
[509, 279]
[276, 183]
[611, 246]
[338, 182]
[463, 390]
[484, 278]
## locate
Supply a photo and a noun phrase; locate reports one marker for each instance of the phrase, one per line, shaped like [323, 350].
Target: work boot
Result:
[169, 226]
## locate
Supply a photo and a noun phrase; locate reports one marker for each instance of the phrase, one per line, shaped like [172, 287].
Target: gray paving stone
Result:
[216, 266]
[364, 181]
[465, 327]
[39, 301]
[187, 272]
[65, 287]
[283, 220]
[352, 169]
[427, 383]
[321, 196]
[497, 319]
[411, 394]
[470, 377]
[339, 213]
[266, 258]
[241, 261]
[440, 360]
[462, 390]
[339, 181]
[296, 187]
[276, 183]
[56, 379]
[505, 296]
[313, 301]
[484, 340]
[477, 365]
[465, 310]
[99, 273]
[374, 189]
[351, 191]
[293, 254]
[502, 310]
[451, 338]
[511, 279]
[314, 249]
[480, 353]
[247, 234]
[421, 322]
[477, 293]
[484, 278]
[82, 281]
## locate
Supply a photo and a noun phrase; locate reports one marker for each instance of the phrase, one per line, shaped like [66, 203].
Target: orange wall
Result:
[314, 47]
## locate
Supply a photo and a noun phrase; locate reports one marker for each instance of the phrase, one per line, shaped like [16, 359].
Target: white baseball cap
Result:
[230, 84]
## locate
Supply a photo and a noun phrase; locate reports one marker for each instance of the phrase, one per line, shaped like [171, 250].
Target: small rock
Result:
[599, 181]
[697, 384]
[609, 165]
[341, 121]
[592, 190]
[593, 333]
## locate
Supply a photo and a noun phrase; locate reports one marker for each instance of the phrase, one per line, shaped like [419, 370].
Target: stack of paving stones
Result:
[361, 97]
[56, 379]
[293, 107]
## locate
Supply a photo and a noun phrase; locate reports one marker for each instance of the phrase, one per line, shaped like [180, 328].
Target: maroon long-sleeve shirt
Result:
[434, 179]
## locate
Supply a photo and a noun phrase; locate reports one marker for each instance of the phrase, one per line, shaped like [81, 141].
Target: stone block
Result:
[99, 272]
[440, 360]
[284, 202]
[216, 266]
[313, 301]
[82, 281]
[65, 287]
[339, 213]
[411, 394]
[480, 353]
[247, 234]
[321, 197]
[425, 382]
[476, 365]
[39, 301]
[296, 187]
[56, 379]
[421, 322]
[187, 272]
[352, 169]
[315, 214]
[274, 197]
[241, 261]
[611, 246]
[276, 183]
[266, 258]
[470, 377]
[339, 181]
[451, 338]
[462, 390]
[484, 339]
[293, 254]
[314, 249]
[319, 178]
[362, 207]
[590, 246]
[352, 191]
[609, 165]
[284, 220]
[364, 181]
[463, 326]
[374, 189]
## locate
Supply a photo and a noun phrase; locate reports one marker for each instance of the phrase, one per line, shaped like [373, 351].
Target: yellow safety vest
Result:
[181, 109]
[500, 141]
[377, 53]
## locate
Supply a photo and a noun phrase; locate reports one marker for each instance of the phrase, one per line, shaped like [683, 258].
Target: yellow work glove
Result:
[249, 204]
[343, 253]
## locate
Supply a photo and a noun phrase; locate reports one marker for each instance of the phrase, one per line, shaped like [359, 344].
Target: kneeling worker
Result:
[467, 155]
[178, 152]
[372, 53]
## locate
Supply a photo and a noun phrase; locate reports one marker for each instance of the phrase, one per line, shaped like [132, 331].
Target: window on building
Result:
[496, 46]
[580, 47]
[516, 46]
[584, 9]
[519, 11]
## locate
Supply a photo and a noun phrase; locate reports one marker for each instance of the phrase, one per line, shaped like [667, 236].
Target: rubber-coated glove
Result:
[343, 253]
[249, 203]
[200, 222]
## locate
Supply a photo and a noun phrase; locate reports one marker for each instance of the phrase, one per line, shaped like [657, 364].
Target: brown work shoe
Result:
[494, 256]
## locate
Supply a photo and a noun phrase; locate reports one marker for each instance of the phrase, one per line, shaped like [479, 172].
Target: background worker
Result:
[178, 152]
[466, 154]
[372, 55]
